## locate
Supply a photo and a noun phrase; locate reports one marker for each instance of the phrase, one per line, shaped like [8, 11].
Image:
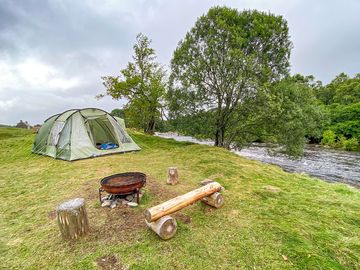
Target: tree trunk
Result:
[173, 176]
[150, 127]
[220, 133]
[175, 204]
[216, 200]
[72, 218]
[219, 137]
[218, 122]
[216, 137]
[164, 227]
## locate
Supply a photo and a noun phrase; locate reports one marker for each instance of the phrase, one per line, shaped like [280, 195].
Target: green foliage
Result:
[341, 99]
[118, 113]
[343, 113]
[348, 90]
[293, 113]
[350, 144]
[142, 84]
[328, 138]
[349, 129]
[223, 64]
[200, 124]
[326, 94]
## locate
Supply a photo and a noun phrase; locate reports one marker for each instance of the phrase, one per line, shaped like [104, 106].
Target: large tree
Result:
[142, 84]
[225, 63]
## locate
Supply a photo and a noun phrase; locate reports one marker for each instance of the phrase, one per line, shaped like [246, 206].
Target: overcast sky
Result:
[53, 53]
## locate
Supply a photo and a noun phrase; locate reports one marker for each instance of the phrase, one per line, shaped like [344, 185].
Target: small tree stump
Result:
[165, 227]
[173, 176]
[72, 218]
[215, 200]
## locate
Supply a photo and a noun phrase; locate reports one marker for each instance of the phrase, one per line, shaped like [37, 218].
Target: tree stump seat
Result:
[72, 218]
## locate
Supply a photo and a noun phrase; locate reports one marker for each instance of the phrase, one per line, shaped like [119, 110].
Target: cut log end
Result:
[164, 227]
[215, 200]
[147, 215]
[71, 205]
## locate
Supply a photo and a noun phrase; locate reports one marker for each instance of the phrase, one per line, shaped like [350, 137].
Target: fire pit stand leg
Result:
[137, 195]
[100, 190]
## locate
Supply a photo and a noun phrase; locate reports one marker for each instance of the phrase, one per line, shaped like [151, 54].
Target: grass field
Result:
[270, 220]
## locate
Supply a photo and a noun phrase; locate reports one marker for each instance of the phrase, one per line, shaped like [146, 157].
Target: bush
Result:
[350, 144]
[329, 138]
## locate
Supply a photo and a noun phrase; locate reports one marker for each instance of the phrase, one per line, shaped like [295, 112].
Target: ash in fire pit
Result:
[123, 189]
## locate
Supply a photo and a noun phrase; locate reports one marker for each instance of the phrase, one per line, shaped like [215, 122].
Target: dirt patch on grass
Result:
[123, 223]
[110, 263]
[234, 213]
[208, 209]
[182, 217]
[90, 190]
[272, 189]
[160, 192]
[52, 214]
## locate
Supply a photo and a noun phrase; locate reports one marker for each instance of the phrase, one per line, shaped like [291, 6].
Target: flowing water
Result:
[327, 164]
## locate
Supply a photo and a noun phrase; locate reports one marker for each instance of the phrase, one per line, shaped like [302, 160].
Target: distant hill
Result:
[3, 126]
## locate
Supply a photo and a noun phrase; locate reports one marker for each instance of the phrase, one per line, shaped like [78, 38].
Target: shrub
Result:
[350, 144]
[341, 139]
[329, 138]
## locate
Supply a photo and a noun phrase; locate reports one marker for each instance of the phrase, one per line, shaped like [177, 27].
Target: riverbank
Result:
[271, 219]
[331, 165]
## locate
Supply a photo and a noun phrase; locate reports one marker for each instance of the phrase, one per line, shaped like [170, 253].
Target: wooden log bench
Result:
[157, 217]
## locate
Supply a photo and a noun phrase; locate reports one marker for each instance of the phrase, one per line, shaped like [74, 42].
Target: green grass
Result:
[316, 225]
[8, 132]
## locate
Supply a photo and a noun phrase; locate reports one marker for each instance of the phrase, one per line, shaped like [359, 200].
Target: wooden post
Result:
[173, 176]
[177, 203]
[165, 227]
[216, 200]
[72, 218]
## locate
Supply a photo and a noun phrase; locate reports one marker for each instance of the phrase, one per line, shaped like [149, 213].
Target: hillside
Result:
[270, 220]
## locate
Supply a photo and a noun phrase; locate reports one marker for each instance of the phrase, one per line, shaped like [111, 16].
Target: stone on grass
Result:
[132, 204]
[106, 203]
[113, 204]
[103, 199]
[124, 202]
[130, 198]
[120, 201]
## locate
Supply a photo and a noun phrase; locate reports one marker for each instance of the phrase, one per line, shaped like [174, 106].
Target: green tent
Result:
[83, 133]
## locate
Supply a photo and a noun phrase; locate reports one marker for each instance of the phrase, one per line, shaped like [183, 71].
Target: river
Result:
[327, 164]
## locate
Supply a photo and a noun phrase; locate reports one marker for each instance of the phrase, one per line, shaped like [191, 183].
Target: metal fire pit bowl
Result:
[123, 183]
